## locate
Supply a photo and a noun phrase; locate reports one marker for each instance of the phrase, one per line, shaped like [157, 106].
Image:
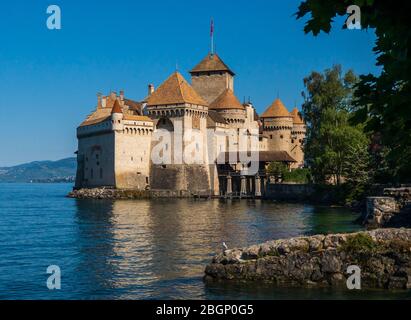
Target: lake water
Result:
[145, 249]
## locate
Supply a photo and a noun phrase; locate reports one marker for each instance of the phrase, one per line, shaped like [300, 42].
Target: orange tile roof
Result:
[98, 115]
[117, 108]
[93, 121]
[226, 100]
[134, 105]
[212, 62]
[175, 90]
[297, 119]
[136, 117]
[276, 109]
[263, 156]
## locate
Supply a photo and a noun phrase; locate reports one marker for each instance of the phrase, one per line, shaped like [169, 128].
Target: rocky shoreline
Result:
[108, 193]
[383, 255]
[393, 209]
[124, 194]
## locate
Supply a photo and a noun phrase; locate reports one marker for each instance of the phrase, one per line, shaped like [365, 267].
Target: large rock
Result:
[384, 256]
[380, 210]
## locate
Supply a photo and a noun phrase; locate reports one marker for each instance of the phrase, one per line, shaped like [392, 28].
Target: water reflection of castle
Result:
[116, 140]
[142, 249]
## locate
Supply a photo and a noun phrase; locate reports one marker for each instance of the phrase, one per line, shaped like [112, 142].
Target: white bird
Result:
[225, 246]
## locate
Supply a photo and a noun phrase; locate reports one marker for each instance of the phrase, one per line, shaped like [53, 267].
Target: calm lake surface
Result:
[145, 249]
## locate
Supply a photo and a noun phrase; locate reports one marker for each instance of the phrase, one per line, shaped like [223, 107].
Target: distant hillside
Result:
[41, 171]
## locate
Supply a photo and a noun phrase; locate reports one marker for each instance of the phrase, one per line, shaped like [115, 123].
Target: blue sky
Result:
[49, 79]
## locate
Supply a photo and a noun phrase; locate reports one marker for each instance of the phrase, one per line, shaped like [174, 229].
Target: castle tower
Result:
[177, 108]
[277, 126]
[117, 116]
[297, 138]
[228, 106]
[114, 145]
[211, 77]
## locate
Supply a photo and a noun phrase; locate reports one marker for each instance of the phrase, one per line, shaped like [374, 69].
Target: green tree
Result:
[382, 102]
[332, 142]
[277, 168]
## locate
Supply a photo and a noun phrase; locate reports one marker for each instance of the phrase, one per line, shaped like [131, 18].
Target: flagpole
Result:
[212, 35]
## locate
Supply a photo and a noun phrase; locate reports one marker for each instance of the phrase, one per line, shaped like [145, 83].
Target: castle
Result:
[206, 122]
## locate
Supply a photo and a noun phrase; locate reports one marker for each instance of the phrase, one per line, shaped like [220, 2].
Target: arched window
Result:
[166, 124]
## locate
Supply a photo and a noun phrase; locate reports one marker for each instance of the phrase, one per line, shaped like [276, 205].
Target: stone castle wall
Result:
[177, 173]
[211, 86]
[278, 132]
[297, 142]
[132, 160]
[95, 158]
[192, 178]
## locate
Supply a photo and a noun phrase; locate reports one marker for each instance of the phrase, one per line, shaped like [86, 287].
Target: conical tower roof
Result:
[276, 110]
[212, 62]
[116, 107]
[175, 90]
[226, 100]
[297, 119]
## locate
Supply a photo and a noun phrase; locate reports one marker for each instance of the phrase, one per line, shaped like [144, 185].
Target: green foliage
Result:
[300, 175]
[277, 168]
[335, 150]
[359, 243]
[381, 102]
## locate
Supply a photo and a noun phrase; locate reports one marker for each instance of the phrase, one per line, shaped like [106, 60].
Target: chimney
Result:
[150, 89]
[121, 95]
[99, 106]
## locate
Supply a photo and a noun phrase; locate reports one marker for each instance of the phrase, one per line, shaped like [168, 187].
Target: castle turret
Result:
[211, 77]
[277, 126]
[117, 116]
[297, 138]
[228, 106]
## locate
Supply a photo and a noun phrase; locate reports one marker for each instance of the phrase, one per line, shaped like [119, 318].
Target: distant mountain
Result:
[41, 171]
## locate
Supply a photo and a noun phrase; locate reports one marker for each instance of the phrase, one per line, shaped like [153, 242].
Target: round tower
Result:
[277, 126]
[117, 116]
[228, 106]
[297, 138]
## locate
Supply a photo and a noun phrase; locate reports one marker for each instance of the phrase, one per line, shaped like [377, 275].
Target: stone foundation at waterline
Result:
[122, 194]
[108, 193]
[391, 210]
[380, 210]
[384, 256]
